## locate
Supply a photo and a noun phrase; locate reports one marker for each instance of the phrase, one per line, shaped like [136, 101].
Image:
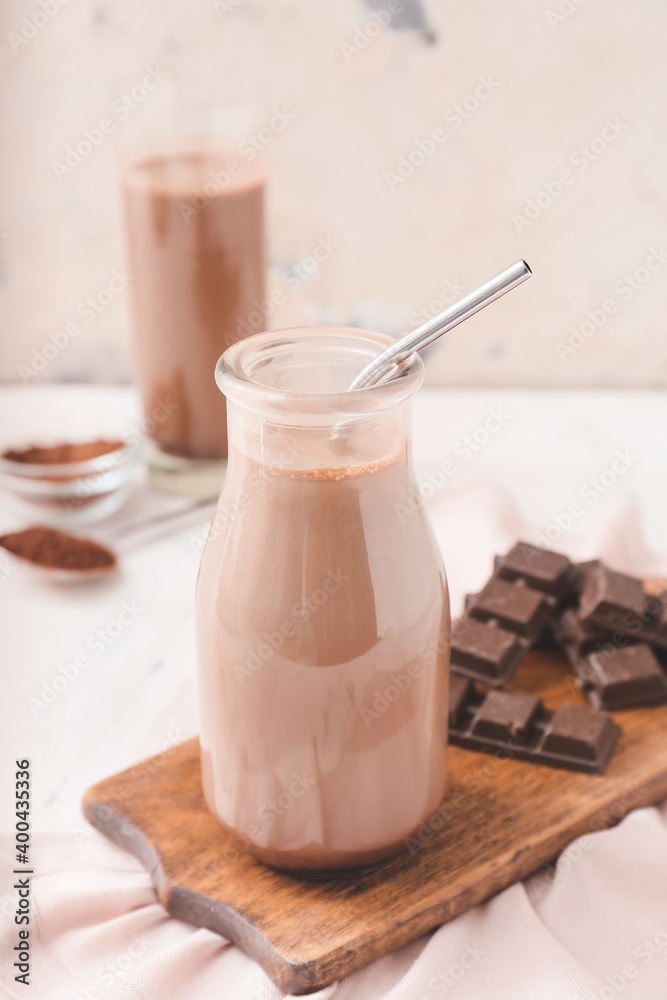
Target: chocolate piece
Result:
[505, 715]
[515, 724]
[514, 606]
[542, 569]
[623, 677]
[459, 692]
[611, 599]
[578, 732]
[652, 625]
[585, 637]
[544, 640]
[485, 651]
[615, 669]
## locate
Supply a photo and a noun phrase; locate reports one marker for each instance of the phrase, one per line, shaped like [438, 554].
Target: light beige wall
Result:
[553, 81]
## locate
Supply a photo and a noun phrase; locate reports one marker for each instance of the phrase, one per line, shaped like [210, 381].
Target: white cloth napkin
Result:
[593, 927]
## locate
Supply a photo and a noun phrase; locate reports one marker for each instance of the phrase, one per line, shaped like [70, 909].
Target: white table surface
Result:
[123, 705]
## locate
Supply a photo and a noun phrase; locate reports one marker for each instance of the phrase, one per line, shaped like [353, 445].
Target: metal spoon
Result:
[392, 361]
[59, 574]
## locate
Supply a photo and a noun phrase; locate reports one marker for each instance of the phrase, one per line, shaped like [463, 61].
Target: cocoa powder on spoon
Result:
[58, 550]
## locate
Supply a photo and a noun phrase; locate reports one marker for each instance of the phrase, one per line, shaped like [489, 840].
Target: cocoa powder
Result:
[61, 454]
[57, 549]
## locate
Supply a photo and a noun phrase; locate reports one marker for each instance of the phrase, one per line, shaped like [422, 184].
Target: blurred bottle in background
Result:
[194, 202]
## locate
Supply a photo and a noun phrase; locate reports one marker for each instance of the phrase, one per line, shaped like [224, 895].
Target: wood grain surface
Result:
[501, 821]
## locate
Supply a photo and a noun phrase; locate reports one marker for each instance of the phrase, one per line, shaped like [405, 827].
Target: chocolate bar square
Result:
[514, 606]
[580, 733]
[610, 599]
[625, 677]
[542, 569]
[486, 652]
[506, 715]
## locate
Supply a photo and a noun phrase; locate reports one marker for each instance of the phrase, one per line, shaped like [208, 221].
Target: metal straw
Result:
[391, 362]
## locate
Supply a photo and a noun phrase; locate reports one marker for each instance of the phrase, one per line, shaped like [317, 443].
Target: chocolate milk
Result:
[322, 633]
[197, 264]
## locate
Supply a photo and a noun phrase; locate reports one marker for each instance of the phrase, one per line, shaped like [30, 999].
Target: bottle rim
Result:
[237, 371]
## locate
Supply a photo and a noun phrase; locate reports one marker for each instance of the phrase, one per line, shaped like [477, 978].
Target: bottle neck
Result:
[328, 446]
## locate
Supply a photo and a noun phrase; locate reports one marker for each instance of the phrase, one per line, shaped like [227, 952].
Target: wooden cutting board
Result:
[508, 818]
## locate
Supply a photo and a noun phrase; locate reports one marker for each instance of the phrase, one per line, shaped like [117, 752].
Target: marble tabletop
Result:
[545, 450]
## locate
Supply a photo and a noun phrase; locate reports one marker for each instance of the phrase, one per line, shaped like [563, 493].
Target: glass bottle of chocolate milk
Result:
[195, 222]
[322, 611]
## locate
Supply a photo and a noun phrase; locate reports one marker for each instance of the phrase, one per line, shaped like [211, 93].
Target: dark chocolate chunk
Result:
[485, 651]
[506, 715]
[580, 733]
[545, 638]
[615, 669]
[652, 625]
[585, 637]
[542, 569]
[515, 724]
[459, 692]
[623, 677]
[610, 599]
[514, 606]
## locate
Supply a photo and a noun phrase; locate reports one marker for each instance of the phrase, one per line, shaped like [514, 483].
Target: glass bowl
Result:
[71, 493]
